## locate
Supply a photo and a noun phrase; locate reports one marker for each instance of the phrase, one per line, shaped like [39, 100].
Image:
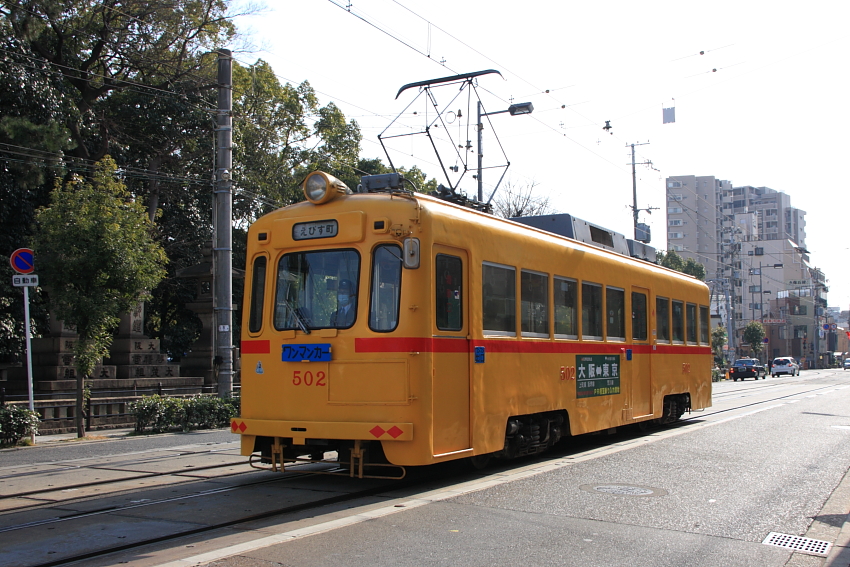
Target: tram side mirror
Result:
[411, 253]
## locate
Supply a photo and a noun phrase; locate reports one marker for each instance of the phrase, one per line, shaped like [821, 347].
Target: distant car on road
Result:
[784, 365]
[747, 367]
[847, 363]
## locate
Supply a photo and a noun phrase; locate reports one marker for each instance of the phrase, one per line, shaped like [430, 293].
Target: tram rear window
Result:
[534, 304]
[258, 292]
[615, 307]
[703, 324]
[691, 322]
[317, 290]
[449, 288]
[566, 300]
[678, 321]
[662, 318]
[499, 297]
[639, 316]
[591, 311]
[386, 288]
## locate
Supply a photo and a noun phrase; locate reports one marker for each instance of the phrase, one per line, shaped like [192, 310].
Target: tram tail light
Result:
[321, 187]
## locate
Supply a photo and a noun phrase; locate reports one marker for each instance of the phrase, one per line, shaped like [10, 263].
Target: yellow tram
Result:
[399, 329]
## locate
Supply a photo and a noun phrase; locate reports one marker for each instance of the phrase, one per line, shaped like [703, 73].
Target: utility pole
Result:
[635, 209]
[223, 213]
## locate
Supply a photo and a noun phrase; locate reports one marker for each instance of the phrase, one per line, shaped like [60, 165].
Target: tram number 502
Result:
[307, 378]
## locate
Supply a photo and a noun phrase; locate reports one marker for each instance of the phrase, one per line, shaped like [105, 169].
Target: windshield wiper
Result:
[299, 318]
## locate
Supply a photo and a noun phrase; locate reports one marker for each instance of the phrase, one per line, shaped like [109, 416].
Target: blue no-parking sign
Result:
[22, 261]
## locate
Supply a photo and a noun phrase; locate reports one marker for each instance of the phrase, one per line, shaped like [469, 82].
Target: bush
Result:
[17, 422]
[159, 414]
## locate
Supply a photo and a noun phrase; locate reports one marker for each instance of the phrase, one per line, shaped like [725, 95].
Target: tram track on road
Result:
[200, 530]
[739, 392]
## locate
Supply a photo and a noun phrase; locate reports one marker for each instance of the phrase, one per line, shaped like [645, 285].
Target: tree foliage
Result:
[718, 341]
[97, 258]
[675, 262]
[517, 200]
[754, 335]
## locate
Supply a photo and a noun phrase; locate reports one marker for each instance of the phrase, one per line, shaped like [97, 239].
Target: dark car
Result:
[745, 368]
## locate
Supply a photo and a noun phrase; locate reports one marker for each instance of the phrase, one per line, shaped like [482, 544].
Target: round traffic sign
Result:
[22, 261]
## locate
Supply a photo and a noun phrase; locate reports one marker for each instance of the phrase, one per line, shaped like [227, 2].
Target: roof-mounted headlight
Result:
[320, 187]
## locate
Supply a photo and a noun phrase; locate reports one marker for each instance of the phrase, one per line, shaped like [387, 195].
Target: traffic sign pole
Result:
[22, 261]
[29, 345]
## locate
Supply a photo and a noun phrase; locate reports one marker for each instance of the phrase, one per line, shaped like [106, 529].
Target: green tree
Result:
[754, 335]
[718, 341]
[675, 262]
[97, 259]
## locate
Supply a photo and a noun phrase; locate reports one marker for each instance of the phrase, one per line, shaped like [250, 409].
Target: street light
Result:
[514, 110]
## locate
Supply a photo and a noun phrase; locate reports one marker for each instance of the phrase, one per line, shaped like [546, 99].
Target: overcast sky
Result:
[764, 105]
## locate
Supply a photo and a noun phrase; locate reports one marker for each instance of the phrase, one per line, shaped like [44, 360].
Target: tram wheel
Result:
[480, 462]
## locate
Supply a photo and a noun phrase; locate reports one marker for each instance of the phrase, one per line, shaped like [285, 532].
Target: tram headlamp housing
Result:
[321, 187]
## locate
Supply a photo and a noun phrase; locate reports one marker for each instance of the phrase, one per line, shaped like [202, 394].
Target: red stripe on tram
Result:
[256, 347]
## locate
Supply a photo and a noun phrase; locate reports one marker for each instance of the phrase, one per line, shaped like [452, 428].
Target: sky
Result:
[765, 104]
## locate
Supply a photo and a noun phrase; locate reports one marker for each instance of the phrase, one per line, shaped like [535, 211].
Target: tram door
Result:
[450, 355]
[641, 386]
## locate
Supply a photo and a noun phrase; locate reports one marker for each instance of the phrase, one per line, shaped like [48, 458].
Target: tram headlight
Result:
[320, 187]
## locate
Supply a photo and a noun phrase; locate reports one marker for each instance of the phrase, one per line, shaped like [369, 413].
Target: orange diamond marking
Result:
[242, 427]
[395, 431]
[377, 431]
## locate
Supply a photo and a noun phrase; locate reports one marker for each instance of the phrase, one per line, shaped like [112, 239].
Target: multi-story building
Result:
[752, 243]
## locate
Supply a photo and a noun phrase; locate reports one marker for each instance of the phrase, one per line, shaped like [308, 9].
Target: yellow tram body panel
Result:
[431, 382]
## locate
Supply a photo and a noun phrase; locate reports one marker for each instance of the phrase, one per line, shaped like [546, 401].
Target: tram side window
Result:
[615, 305]
[386, 288]
[691, 322]
[449, 300]
[258, 294]
[591, 311]
[703, 324]
[534, 304]
[499, 299]
[566, 301]
[678, 322]
[639, 317]
[662, 318]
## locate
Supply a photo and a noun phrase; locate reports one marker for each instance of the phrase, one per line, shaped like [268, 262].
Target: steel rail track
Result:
[235, 522]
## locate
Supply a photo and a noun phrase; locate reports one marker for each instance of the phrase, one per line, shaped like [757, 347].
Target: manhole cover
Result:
[623, 489]
[798, 544]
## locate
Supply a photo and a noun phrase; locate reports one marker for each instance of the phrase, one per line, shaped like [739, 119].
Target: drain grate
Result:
[798, 544]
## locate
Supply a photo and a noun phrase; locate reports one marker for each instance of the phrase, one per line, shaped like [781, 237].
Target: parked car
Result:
[847, 363]
[747, 367]
[784, 365]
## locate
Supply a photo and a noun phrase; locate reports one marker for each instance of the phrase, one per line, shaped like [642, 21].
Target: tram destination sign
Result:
[316, 229]
[597, 375]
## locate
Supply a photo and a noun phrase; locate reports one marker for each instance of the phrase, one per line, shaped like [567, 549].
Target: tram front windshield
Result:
[317, 290]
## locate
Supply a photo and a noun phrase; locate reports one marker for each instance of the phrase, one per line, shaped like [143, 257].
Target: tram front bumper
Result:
[300, 431]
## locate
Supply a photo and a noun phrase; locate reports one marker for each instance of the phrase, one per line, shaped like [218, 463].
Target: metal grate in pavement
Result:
[798, 544]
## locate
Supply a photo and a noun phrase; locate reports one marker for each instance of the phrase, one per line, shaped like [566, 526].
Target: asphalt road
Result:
[769, 456]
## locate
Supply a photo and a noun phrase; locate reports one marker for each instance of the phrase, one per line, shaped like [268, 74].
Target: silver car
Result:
[784, 365]
[847, 363]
